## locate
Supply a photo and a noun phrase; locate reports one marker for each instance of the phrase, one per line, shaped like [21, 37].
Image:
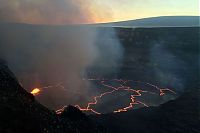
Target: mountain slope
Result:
[20, 112]
[165, 21]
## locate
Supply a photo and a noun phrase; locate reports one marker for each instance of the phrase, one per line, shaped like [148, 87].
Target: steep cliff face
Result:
[20, 112]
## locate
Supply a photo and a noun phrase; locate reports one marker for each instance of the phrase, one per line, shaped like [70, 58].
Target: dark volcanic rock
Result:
[73, 113]
[20, 112]
[177, 116]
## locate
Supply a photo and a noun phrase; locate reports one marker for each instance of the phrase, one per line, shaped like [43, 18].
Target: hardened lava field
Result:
[118, 95]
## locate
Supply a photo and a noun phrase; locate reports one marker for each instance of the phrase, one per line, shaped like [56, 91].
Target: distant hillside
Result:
[166, 21]
[163, 21]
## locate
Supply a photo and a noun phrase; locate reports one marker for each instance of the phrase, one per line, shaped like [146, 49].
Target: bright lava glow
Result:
[123, 85]
[35, 91]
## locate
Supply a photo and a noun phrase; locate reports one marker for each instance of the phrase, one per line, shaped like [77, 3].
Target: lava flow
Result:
[112, 86]
[35, 91]
[134, 93]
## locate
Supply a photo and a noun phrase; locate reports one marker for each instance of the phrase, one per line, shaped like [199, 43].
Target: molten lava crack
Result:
[122, 86]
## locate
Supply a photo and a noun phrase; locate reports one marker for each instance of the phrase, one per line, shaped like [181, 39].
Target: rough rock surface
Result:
[20, 112]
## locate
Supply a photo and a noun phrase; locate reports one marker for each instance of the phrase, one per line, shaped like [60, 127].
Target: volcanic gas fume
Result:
[169, 68]
[50, 11]
[49, 55]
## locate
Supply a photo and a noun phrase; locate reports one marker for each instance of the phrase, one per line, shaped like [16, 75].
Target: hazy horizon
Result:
[64, 12]
[95, 22]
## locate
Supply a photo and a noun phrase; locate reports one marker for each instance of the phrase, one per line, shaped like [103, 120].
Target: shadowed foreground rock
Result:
[20, 112]
[181, 115]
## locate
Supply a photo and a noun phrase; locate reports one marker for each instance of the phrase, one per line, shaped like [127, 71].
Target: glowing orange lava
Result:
[123, 86]
[35, 91]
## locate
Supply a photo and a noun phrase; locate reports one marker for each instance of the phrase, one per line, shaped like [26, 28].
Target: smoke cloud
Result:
[54, 55]
[50, 11]
[168, 68]
[49, 55]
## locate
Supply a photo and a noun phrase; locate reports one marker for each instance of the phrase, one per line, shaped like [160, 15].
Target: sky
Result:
[134, 9]
[92, 11]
